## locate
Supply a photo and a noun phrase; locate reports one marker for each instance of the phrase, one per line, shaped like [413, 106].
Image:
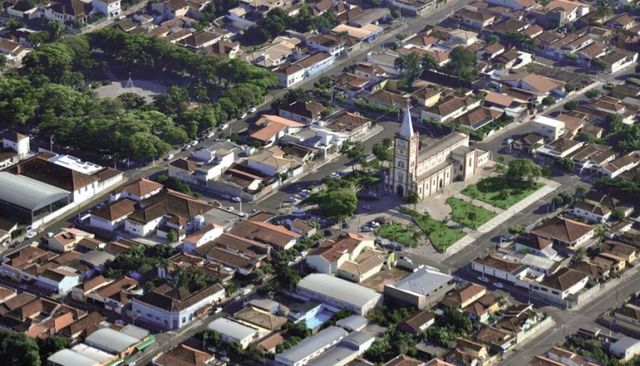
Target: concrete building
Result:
[551, 129]
[232, 331]
[422, 288]
[311, 347]
[338, 293]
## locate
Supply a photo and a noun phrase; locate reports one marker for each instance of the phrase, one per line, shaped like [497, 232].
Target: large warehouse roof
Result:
[28, 193]
[338, 289]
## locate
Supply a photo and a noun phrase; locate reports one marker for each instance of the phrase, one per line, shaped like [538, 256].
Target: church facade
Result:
[426, 170]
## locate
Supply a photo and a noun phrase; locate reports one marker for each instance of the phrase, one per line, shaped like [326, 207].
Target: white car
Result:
[334, 175]
[483, 279]
[236, 199]
[31, 234]
[168, 157]
[244, 115]
[224, 126]
[498, 285]
[230, 208]
[253, 110]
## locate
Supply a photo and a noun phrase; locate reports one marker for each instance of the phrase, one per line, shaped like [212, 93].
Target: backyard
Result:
[501, 191]
[399, 233]
[468, 214]
[440, 234]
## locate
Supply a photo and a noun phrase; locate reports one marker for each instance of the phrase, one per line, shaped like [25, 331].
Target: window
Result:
[401, 164]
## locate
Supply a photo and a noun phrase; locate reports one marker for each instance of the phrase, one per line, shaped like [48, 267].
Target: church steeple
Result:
[406, 130]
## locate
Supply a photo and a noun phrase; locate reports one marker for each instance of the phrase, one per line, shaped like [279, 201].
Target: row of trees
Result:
[462, 65]
[52, 94]
[277, 21]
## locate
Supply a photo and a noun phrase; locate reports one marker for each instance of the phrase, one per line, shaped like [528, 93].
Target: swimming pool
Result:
[318, 318]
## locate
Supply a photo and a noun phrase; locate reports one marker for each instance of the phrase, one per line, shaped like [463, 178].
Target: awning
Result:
[117, 362]
[146, 343]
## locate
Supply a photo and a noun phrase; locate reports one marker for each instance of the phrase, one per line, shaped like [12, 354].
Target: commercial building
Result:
[424, 287]
[232, 331]
[311, 347]
[338, 293]
[173, 308]
[37, 190]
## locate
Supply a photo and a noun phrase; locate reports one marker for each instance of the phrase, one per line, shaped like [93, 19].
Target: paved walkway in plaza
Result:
[549, 186]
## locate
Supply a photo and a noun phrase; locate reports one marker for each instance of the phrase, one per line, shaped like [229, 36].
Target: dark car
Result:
[327, 232]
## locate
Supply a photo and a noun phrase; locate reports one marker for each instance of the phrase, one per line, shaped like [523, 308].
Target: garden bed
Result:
[398, 233]
[440, 234]
[468, 214]
[501, 191]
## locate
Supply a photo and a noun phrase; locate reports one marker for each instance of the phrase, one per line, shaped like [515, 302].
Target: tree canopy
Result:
[523, 170]
[17, 349]
[52, 93]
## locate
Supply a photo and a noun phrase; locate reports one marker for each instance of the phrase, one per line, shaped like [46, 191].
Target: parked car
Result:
[483, 279]
[327, 232]
[236, 199]
[498, 285]
[168, 157]
[253, 110]
[31, 234]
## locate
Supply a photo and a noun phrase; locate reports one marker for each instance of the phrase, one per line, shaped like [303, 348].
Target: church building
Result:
[428, 169]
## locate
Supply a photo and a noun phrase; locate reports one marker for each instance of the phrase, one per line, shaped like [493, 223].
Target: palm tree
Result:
[429, 62]
[400, 63]
[604, 8]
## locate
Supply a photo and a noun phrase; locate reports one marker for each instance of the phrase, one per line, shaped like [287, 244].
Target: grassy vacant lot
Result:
[440, 235]
[467, 214]
[500, 191]
[398, 233]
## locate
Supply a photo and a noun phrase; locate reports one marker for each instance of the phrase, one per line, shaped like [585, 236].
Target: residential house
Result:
[173, 308]
[303, 112]
[109, 8]
[475, 19]
[541, 86]
[417, 8]
[427, 96]
[273, 162]
[183, 355]
[115, 295]
[139, 190]
[561, 148]
[12, 51]
[418, 323]
[67, 239]
[620, 165]
[276, 236]
[591, 156]
[165, 212]
[478, 118]
[569, 233]
[535, 245]
[450, 108]
[290, 74]
[111, 216]
[500, 266]
[465, 296]
[618, 59]
[559, 286]
[270, 128]
[557, 13]
[551, 129]
[65, 11]
[236, 252]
